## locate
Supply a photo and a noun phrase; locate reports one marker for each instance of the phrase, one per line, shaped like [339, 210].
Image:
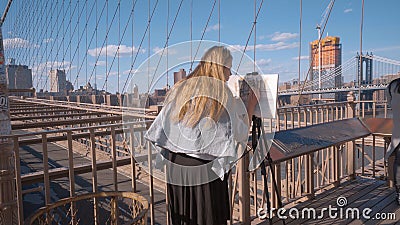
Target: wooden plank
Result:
[376, 204]
[45, 111]
[37, 177]
[393, 207]
[71, 114]
[66, 122]
[389, 201]
[357, 199]
[323, 199]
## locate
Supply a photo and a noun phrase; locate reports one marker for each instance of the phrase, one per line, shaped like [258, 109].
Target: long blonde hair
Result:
[203, 93]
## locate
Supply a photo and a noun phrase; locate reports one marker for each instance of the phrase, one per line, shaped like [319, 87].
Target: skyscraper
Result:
[18, 76]
[58, 81]
[326, 62]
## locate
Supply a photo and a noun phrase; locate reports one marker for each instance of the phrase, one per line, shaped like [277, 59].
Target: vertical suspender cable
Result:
[133, 34]
[219, 20]
[167, 44]
[191, 35]
[203, 33]
[77, 60]
[95, 64]
[70, 38]
[324, 23]
[361, 55]
[255, 36]
[46, 52]
[86, 47]
[140, 46]
[299, 59]
[248, 38]
[105, 74]
[148, 51]
[119, 39]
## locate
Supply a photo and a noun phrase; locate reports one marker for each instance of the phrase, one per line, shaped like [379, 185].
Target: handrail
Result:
[76, 129]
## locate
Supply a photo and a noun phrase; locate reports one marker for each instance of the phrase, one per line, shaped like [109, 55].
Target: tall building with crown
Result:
[327, 62]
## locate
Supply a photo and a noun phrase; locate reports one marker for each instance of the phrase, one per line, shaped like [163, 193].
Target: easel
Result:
[256, 133]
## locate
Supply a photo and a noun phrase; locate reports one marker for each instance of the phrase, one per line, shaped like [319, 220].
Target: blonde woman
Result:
[197, 133]
[393, 90]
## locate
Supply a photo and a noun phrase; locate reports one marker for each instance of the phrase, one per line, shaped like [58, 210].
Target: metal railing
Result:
[297, 177]
[116, 208]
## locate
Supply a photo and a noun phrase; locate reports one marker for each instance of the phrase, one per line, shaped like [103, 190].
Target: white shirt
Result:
[207, 140]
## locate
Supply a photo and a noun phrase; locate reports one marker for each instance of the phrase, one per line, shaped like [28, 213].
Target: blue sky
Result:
[277, 34]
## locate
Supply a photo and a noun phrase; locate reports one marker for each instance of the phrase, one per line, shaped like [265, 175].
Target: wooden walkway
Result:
[31, 160]
[361, 193]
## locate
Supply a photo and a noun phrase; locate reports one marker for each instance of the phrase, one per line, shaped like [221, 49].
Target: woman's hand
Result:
[251, 104]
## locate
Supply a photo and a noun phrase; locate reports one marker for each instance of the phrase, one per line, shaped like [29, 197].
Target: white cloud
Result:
[44, 68]
[278, 36]
[112, 49]
[348, 10]
[170, 51]
[382, 49]
[263, 62]
[10, 43]
[213, 28]
[266, 47]
[303, 57]
[111, 73]
[99, 63]
[262, 37]
[47, 40]
[126, 72]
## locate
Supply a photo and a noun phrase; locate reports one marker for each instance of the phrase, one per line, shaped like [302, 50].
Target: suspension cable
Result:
[202, 35]
[140, 46]
[319, 41]
[299, 59]
[166, 42]
[248, 38]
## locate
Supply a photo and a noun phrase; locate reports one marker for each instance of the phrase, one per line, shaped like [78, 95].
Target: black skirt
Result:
[200, 204]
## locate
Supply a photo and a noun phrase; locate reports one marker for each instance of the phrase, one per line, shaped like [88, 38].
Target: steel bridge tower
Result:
[366, 75]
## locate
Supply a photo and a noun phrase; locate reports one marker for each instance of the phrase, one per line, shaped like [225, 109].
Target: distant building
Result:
[158, 97]
[58, 81]
[181, 74]
[68, 86]
[18, 76]
[330, 59]
[381, 95]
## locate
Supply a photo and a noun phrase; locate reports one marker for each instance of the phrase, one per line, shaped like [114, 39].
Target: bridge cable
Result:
[116, 54]
[203, 33]
[166, 43]
[69, 47]
[360, 71]
[191, 33]
[255, 36]
[299, 59]
[86, 44]
[330, 6]
[248, 38]
[69, 44]
[140, 46]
